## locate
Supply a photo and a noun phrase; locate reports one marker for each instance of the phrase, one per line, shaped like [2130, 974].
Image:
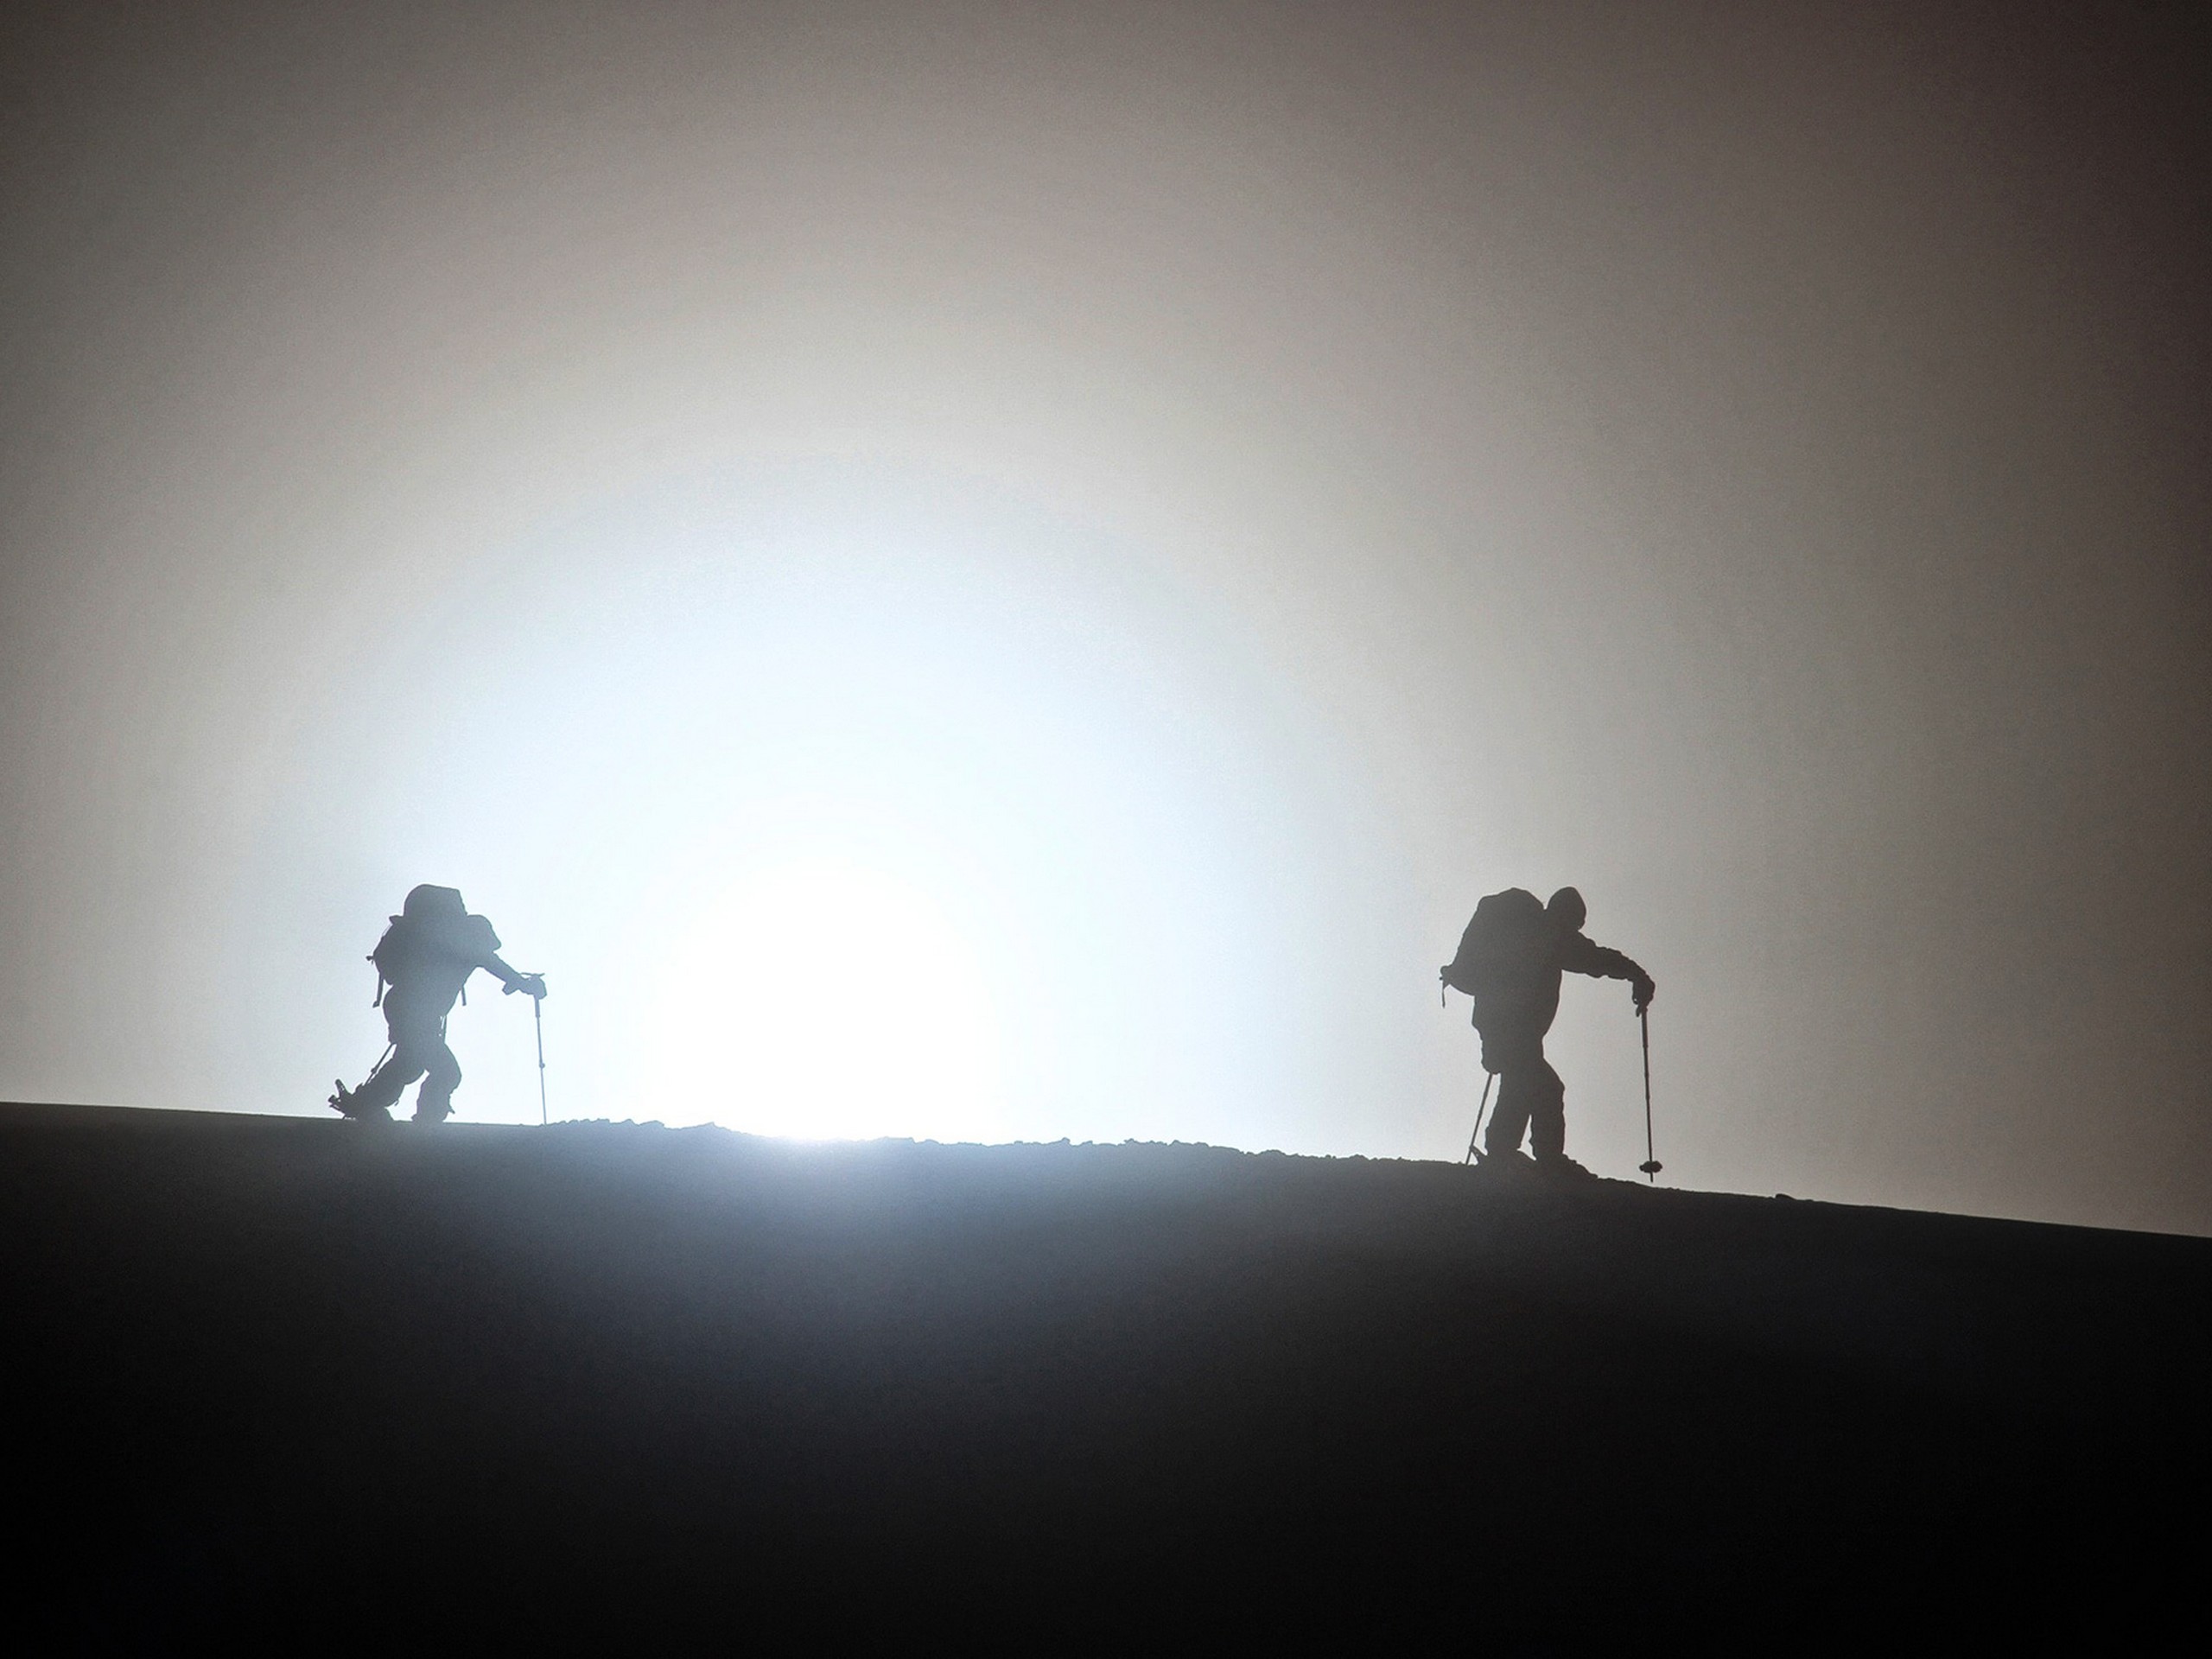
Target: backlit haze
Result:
[1013, 572]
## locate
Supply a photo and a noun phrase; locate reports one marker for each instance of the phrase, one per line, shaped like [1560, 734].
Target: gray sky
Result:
[1032, 563]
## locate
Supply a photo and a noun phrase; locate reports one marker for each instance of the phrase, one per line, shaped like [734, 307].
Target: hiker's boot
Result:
[1561, 1168]
[347, 1102]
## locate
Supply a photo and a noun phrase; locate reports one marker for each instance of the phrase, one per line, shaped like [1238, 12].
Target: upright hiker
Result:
[425, 957]
[1510, 959]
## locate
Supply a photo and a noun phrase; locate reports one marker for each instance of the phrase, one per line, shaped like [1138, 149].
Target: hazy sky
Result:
[1013, 571]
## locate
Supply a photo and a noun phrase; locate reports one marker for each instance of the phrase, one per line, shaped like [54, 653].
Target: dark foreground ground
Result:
[307, 1380]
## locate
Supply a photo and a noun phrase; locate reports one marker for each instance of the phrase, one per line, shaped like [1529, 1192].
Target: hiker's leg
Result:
[1509, 1055]
[1509, 1122]
[436, 1102]
[1547, 1097]
[415, 1041]
[390, 1080]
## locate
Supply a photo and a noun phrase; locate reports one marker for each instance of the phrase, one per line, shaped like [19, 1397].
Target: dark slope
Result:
[613, 1379]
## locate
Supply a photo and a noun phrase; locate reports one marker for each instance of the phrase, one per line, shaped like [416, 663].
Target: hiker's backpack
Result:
[1508, 930]
[433, 922]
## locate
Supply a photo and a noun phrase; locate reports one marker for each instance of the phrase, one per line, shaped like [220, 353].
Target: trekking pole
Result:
[1650, 1165]
[1488, 1079]
[537, 1019]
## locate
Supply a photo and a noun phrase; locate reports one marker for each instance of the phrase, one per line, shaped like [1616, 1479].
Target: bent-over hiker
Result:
[1510, 959]
[425, 958]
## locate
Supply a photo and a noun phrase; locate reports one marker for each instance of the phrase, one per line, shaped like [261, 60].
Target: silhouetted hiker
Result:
[1510, 960]
[426, 957]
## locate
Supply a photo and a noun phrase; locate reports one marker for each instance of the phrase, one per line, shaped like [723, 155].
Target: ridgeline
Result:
[305, 1379]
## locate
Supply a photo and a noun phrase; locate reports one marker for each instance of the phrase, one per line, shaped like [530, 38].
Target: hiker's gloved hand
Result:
[1643, 991]
[529, 984]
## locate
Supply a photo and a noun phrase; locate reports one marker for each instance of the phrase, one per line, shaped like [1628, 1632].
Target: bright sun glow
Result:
[822, 1000]
[837, 810]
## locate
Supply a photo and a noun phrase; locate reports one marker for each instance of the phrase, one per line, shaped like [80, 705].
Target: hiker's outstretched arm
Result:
[1583, 955]
[513, 980]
